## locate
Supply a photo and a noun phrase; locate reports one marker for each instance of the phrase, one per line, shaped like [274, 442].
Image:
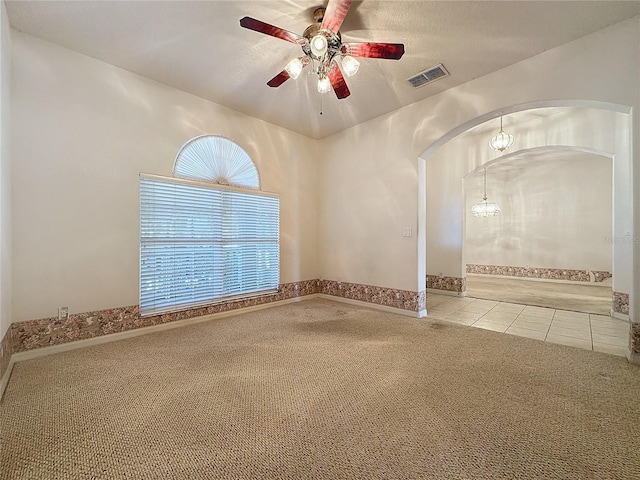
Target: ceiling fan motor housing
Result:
[334, 41]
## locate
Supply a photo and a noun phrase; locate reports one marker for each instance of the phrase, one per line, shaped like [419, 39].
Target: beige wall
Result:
[369, 182]
[82, 132]
[5, 174]
[538, 133]
[555, 213]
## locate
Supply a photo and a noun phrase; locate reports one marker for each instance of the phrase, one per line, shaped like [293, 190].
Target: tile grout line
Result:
[550, 324]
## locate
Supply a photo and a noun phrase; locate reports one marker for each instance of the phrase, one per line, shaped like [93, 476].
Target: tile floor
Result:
[583, 330]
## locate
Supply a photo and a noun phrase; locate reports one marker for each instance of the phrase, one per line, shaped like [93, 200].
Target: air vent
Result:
[428, 76]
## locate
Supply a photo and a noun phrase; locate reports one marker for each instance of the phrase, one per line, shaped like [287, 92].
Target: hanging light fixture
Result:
[484, 208]
[502, 140]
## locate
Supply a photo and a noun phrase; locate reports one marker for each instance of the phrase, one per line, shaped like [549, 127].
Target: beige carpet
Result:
[322, 390]
[588, 298]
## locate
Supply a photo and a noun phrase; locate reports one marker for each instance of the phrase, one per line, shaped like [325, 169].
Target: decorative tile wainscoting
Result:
[449, 284]
[45, 332]
[634, 339]
[388, 297]
[596, 276]
[621, 303]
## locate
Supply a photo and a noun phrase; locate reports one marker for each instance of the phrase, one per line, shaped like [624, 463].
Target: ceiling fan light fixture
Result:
[294, 67]
[324, 85]
[350, 65]
[319, 45]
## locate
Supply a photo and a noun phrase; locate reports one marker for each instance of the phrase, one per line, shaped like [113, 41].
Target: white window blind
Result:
[200, 244]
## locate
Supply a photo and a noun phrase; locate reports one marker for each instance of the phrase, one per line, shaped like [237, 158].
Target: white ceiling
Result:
[199, 47]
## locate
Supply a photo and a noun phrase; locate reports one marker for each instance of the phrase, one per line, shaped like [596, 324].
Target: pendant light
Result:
[484, 208]
[502, 140]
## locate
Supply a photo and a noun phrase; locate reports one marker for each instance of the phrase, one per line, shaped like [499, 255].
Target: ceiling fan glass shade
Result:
[319, 45]
[485, 208]
[324, 85]
[350, 65]
[294, 67]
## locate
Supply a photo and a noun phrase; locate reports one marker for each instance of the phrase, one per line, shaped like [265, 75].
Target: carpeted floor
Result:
[322, 390]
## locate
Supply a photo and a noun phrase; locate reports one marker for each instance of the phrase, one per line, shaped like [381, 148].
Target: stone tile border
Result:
[634, 339]
[388, 297]
[544, 273]
[450, 284]
[600, 275]
[621, 303]
[45, 332]
[6, 352]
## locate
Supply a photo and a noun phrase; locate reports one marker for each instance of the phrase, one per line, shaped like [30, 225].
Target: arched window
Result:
[211, 158]
[207, 235]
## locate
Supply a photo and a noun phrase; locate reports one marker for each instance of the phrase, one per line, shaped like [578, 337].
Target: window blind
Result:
[200, 244]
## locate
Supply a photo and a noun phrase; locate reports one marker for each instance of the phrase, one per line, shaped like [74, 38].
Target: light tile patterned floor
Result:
[583, 330]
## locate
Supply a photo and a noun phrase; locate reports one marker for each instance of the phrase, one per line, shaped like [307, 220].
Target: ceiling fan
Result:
[322, 47]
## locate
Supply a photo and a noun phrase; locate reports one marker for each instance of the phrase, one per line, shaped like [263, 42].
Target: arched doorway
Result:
[596, 127]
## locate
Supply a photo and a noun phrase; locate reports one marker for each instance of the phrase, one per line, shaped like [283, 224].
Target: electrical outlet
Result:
[63, 313]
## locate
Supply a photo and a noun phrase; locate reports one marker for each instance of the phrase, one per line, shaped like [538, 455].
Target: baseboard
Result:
[619, 316]
[112, 337]
[4, 381]
[447, 292]
[374, 306]
[537, 279]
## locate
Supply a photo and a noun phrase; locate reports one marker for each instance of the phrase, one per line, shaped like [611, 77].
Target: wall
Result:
[369, 182]
[556, 212]
[82, 131]
[537, 132]
[5, 175]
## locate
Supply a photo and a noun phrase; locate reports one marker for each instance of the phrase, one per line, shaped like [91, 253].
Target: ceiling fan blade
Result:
[279, 79]
[335, 13]
[338, 83]
[262, 27]
[391, 51]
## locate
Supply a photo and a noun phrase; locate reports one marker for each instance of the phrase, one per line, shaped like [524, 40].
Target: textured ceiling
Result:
[199, 47]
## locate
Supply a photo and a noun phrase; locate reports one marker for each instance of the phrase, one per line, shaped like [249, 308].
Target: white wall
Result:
[5, 174]
[556, 212]
[537, 133]
[369, 182]
[82, 131]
